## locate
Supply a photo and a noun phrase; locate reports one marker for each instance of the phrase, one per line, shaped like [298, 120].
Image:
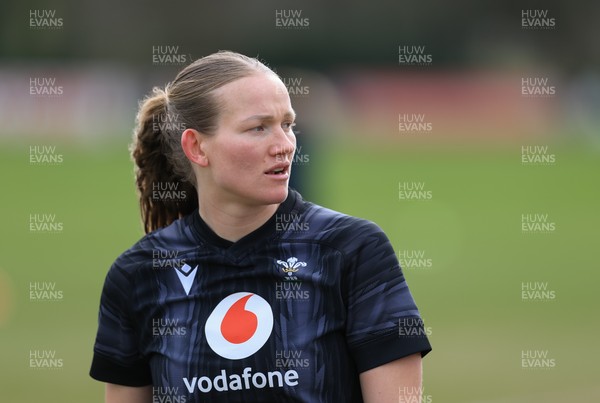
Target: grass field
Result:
[470, 229]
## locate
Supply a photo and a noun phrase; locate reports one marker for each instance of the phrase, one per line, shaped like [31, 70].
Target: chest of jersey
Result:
[217, 324]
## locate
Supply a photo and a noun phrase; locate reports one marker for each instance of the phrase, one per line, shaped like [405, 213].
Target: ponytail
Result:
[164, 195]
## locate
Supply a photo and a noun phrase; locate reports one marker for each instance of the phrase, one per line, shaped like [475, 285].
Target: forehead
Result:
[258, 94]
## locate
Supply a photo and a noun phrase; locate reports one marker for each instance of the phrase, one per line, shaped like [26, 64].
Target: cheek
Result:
[239, 158]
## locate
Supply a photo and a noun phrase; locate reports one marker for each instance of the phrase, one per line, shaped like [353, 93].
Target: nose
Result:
[284, 144]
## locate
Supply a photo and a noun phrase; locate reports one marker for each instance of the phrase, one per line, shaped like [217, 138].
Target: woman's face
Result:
[250, 154]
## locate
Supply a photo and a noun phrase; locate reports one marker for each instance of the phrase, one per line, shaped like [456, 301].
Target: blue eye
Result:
[289, 125]
[258, 129]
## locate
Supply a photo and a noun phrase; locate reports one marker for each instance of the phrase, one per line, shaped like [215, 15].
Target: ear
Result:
[192, 142]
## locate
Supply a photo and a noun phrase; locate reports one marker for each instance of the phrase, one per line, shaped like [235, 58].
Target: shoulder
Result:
[339, 223]
[345, 232]
[174, 237]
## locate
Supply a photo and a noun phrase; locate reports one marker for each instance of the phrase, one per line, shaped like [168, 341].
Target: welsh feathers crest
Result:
[291, 266]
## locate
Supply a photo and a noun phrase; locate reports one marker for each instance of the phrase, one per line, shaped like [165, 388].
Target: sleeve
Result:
[117, 358]
[383, 322]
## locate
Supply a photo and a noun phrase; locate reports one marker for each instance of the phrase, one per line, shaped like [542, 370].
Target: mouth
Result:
[279, 170]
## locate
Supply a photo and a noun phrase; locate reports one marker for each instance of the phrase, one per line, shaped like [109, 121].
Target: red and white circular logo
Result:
[239, 325]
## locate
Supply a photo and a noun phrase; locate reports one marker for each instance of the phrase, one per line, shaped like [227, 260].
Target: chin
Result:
[276, 196]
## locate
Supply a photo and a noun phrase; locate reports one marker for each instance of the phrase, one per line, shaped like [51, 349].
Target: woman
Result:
[241, 290]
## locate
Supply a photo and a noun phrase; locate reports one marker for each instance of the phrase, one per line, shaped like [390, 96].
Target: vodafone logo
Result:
[239, 325]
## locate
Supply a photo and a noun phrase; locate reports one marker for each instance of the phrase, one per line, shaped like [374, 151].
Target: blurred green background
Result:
[469, 297]
[471, 162]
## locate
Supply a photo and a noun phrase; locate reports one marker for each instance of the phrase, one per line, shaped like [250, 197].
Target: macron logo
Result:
[186, 276]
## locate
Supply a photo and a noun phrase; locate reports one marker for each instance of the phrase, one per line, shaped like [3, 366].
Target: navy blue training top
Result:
[294, 311]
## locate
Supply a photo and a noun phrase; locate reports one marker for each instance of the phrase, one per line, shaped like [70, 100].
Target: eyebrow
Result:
[287, 115]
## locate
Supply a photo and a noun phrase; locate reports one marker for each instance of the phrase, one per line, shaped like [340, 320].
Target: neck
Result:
[232, 221]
